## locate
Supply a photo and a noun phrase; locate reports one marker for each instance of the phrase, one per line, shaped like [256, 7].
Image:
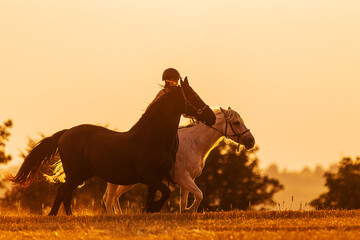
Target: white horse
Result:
[195, 143]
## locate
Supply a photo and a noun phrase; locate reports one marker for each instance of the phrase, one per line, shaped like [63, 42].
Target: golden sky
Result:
[290, 68]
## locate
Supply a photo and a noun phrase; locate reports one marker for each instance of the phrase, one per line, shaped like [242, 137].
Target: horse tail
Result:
[44, 151]
[56, 173]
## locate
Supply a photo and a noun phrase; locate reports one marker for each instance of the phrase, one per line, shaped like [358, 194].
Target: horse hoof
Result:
[153, 207]
[150, 210]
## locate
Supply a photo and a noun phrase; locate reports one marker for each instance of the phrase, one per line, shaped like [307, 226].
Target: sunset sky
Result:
[290, 68]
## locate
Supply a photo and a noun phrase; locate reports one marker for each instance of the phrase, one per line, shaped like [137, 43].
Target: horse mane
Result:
[153, 107]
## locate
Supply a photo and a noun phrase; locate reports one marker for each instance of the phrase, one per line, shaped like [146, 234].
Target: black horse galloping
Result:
[145, 154]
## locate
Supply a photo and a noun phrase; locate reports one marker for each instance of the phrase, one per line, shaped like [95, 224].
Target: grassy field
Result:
[216, 225]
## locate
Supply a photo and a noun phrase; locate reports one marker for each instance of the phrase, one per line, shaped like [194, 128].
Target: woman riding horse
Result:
[143, 154]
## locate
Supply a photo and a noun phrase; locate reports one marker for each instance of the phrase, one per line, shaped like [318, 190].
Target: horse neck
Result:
[163, 120]
[207, 137]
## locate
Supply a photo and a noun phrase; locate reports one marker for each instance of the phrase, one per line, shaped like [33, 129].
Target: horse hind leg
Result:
[72, 182]
[121, 189]
[103, 201]
[107, 198]
[58, 199]
[67, 192]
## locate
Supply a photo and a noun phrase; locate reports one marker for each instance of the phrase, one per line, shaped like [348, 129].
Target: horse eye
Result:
[237, 123]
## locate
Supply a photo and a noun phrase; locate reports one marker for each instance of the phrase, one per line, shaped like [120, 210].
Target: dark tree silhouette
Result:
[4, 158]
[343, 185]
[232, 180]
[4, 137]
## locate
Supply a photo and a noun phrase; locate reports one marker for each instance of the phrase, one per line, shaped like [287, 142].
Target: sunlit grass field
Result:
[209, 225]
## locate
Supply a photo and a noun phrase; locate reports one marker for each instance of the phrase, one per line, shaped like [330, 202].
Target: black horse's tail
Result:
[39, 155]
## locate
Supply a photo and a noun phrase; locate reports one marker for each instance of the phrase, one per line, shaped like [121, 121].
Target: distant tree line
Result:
[343, 187]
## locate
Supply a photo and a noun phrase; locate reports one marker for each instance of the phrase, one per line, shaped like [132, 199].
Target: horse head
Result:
[236, 130]
[194, 106]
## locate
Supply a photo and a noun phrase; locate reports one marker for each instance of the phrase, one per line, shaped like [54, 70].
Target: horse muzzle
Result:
[249, 143]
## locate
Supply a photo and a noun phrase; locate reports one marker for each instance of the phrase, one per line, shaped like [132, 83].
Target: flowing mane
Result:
[153, 108]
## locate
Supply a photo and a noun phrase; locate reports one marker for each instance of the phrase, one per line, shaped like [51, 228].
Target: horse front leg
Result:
[184, 195]
[154, 184]
[150, 199]
[188, 183]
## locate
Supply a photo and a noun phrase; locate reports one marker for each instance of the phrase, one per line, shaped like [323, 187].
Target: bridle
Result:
[238, 135]
[189, 104]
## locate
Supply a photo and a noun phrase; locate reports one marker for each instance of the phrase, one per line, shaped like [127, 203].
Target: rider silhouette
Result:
[171, 77]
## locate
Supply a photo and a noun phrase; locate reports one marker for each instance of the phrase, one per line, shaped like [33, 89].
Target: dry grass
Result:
[219, 225]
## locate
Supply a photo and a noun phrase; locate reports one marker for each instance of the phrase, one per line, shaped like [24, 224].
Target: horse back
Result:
[73, 143]
[120, 158]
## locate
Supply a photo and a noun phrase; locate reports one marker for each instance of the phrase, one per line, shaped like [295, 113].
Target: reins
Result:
[189, 104]
[238, 135]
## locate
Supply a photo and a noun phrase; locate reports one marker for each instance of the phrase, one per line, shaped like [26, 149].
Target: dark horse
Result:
[145, 154]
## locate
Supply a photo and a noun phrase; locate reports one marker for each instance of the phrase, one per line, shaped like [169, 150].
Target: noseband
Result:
[238, 135]
[189, 104]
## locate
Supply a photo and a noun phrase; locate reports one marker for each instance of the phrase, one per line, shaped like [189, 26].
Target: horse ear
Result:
[229, 108]
[186, 81]
[226, 113]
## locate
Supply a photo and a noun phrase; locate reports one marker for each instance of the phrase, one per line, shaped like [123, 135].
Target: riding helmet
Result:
[171, 73]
